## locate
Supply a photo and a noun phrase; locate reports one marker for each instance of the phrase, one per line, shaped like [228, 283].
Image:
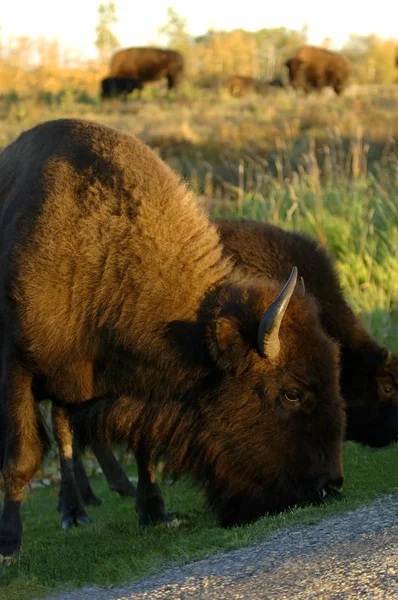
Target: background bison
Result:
[314, 68]
[114, 289]
[141, 65]
[240, 85]
[119, 86]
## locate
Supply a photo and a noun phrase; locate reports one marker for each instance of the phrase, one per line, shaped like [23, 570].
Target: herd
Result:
[310, 68]
[223, 348]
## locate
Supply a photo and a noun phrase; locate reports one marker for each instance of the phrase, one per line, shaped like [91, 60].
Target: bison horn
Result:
[268, 330]
[301, 286]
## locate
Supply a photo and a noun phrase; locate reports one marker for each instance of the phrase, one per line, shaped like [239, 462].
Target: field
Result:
[324, 165]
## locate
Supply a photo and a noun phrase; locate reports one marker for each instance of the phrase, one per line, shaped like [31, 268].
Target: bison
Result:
[112, 87]
[240, 85]
[369, 376]
[116, 303]
[313, 68]
[141, 65]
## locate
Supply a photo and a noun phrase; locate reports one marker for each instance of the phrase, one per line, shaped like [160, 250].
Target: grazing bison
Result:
[313, 68]
[147, 64]
[240, 85]
[113, 288]
[369, 377]
[119, 86]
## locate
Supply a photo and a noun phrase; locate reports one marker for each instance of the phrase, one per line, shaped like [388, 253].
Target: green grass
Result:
[321, 165]
[112, 549]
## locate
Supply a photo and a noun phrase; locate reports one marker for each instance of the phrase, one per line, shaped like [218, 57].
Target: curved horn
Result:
[301, 287]
[268, 330]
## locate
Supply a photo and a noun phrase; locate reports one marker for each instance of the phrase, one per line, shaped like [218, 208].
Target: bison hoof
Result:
[69, 522]
[145, 520]
[5, 561]
[7, 549]
[152, 512]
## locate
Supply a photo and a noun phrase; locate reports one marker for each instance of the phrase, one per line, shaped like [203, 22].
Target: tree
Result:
[175, 30]
[106, 40]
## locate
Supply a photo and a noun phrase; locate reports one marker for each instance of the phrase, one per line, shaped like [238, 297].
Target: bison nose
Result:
[329, 484]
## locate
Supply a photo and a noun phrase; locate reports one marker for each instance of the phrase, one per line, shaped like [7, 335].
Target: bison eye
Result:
[387, 390]
[293, 395]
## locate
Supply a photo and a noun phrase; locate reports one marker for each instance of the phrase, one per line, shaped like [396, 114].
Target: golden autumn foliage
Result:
[38, 66]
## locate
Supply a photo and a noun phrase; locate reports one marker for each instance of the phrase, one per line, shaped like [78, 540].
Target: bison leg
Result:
[149, 503]
[70, 502]
[338, 87]
[23, 450]
[115, 476]
[170, 82]
[83, 484]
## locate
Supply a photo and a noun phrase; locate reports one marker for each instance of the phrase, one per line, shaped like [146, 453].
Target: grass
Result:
[112, 549]
[322, 165]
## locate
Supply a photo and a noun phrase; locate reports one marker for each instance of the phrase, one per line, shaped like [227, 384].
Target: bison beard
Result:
[114, 286]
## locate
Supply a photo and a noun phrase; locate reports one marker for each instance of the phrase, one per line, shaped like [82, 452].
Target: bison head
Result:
[372, 397]
[275, 429]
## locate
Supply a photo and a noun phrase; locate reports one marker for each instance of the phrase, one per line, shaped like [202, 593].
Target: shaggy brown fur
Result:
[313, 68]
[147, 64]
[369, 372]
[113, 285]
[369, 376]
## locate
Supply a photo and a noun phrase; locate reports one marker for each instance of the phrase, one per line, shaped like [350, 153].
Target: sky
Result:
[73, 21]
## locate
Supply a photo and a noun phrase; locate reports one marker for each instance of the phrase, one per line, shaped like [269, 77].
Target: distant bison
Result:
[240, 85]
[119, 86]
[314, 68]
[142, 65]
[117, 304]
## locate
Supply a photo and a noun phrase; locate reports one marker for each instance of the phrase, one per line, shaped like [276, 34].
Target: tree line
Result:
[27, 63]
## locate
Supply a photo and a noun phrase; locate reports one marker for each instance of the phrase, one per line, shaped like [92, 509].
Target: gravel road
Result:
[349, 556]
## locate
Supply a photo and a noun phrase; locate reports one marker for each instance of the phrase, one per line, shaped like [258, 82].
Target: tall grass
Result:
[321, 165]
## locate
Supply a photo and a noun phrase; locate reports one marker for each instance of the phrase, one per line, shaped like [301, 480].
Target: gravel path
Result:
[348, 556]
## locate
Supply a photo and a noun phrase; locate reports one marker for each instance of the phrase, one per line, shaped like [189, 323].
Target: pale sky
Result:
[73, 21]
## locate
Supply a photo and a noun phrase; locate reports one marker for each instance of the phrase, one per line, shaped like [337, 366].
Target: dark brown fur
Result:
[313, 68]
[112, 87]
[260, 249]
[113, 285]
[147, 64]
[369, 385]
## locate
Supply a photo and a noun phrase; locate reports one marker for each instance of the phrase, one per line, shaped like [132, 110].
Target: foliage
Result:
[374, 59]
[106, 41]
[175, 31]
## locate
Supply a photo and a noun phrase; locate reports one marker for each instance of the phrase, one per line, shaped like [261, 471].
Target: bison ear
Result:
[227, 347]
